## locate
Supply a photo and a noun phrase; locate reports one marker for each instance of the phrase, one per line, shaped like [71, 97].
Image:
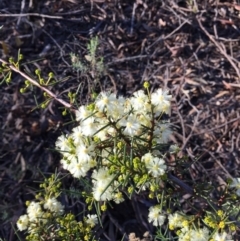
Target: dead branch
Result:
[12, 15]
[34, 82]
[220, 48]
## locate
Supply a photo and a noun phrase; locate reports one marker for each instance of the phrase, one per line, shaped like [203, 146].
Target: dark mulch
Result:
[191, 49]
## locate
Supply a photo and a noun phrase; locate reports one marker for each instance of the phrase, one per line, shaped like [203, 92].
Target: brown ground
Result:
[190, 47]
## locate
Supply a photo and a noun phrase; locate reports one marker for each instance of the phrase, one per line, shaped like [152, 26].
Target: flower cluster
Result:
[118, 139]
[188, 231]
[39, 214]
[102, 188]
[116, 150]
[45, 219]
[155, 216]
[191, 234]
[37, 224]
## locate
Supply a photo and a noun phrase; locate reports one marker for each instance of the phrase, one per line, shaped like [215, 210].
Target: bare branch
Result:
[220, 49]
[34, 82]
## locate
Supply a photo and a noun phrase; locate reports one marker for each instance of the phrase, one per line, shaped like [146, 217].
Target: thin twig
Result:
[181, 121]
[115, 222]
[128, 59]
[220, 164]
[29, 14]
[180, 183]
[64, 103]
[11, 15]
[169, 35]
[217, 127]
[132, 20]
[196, 121]
[22, 8]
[220, 48]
